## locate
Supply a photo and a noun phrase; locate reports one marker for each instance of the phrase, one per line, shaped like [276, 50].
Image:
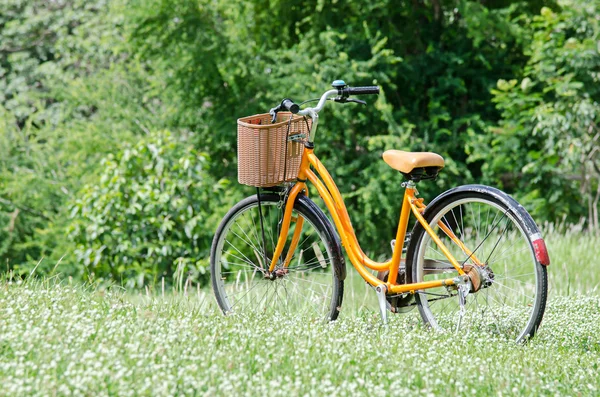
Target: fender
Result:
[516, 209]
[336, 249]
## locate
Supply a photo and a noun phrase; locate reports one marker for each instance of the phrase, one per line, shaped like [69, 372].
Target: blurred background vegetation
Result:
[118, 118]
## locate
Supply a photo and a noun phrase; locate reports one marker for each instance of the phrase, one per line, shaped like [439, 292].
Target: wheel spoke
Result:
[507, 306]
[308, 287]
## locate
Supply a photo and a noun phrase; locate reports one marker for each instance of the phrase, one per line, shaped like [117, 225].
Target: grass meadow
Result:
[58, 338]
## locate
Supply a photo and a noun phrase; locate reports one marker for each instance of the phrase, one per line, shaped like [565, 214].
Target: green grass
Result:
[57, 338]
[574, 267]
[574, 261]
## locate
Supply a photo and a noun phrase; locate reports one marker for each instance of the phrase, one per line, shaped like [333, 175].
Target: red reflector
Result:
[541, 253]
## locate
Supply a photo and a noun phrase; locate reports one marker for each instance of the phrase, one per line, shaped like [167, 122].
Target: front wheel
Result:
[310, 283]
[509, 295]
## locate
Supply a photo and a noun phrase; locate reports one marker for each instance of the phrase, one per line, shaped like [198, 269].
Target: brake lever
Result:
[356, 101]
[273, 112]
[345, 100]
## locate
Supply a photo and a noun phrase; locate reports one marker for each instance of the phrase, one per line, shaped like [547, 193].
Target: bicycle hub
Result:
[480, 277]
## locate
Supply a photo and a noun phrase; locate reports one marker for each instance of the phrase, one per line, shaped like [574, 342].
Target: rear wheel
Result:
[309, 285]
[509, 292]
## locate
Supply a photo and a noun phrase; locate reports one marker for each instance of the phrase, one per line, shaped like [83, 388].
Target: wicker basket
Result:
[270, 154]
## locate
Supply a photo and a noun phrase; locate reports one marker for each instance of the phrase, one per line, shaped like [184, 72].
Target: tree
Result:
[549, 130]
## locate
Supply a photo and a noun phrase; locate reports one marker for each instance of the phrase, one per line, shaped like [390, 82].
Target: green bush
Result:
[505, 92]
[67, 100]
[154, 210]
[435, 61]
[545, 148]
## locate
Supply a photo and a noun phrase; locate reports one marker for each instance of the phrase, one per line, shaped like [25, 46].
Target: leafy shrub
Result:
[80, 79]
[546, 145]
[70, 94]
[153, 211]
[435, 61]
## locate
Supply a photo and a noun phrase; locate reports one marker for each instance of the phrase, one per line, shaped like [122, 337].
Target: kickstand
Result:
[463, 291]
[381, 290]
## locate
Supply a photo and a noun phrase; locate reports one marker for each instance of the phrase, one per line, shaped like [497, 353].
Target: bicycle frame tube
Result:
[340, 209]
[420, 207]
[335, 204]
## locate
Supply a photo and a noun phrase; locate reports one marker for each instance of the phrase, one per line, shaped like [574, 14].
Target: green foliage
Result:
[88, 100]
[82, 80]
[40, 40]
[35, 157]
[546, 145]
[153, 210]
[436, 63]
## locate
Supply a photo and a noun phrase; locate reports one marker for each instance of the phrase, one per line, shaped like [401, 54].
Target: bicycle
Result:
[475, 259]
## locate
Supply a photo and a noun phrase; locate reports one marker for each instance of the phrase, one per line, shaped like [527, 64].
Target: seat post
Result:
[409, 184]
[401, 233]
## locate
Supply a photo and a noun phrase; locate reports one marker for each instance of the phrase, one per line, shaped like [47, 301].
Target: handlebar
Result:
[341, 92]
[317, 109]
[286, 104]
[290, 106]
[372, 90]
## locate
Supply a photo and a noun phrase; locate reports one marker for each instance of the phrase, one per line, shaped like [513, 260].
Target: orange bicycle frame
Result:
[333, 200]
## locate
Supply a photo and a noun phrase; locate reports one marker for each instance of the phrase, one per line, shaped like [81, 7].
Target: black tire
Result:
[500, 233]
[312, 285]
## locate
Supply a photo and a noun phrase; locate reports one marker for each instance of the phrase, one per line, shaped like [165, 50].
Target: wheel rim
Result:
[507, 306]
[306, 287]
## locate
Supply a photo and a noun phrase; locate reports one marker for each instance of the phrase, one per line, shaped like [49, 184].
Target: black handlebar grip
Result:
[373, 90]
[289, 105]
